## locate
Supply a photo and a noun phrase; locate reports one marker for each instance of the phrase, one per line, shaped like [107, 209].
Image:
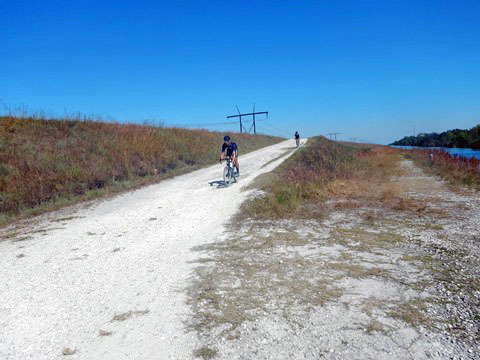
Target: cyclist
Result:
[297, 138]
[232, 151]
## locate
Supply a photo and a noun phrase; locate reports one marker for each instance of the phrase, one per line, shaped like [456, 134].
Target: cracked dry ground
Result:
[363, 282]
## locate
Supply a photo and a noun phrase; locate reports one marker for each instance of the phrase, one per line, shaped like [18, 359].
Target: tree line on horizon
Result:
[450, 139]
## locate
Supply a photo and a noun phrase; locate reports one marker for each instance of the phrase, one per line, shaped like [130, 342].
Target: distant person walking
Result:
[297, 138]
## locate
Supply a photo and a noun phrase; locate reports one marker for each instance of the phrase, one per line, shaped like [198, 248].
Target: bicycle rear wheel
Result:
[227, 175]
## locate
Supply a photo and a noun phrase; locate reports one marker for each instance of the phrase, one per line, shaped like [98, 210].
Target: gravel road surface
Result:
[106, 281]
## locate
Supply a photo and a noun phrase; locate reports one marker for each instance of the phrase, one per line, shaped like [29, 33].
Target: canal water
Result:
[468, 153]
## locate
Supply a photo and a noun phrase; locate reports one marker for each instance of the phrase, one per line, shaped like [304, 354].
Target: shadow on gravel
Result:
[219, 183]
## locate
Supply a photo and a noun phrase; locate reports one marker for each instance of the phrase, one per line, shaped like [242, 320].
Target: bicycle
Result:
[229, 173]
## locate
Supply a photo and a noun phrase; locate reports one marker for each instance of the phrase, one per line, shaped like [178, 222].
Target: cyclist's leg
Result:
[235, 161]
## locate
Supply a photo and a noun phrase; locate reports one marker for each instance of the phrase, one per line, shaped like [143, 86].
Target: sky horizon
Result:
[369, 70]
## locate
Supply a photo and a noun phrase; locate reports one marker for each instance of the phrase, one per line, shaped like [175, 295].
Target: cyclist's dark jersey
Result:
[230, 148]
[297, 136]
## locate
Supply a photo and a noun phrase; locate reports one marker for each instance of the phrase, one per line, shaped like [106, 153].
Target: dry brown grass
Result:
[129, 314]
[370, 178]
[364, 240]
[251, 275]
[55, 161]
[355, 271]
[412, 313]
[205, 353]
[9, 235]
[375, 326]
[352, 174]
[67, 351]
[459, 171]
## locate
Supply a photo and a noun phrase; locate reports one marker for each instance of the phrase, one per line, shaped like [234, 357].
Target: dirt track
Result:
[107, 281]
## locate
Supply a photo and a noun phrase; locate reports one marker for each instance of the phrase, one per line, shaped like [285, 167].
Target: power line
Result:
[335, 133]
[278, 130]
[205, 124]
[276, 127]
[274, 131]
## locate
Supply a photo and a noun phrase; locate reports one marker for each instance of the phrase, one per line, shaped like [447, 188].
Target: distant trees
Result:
[451, 138]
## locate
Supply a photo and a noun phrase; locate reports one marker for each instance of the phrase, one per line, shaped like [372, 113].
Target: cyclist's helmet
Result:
[226, 138]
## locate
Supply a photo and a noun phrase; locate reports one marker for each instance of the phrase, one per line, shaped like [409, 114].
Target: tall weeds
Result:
[43, 160]
[324, 169]
[456, 169]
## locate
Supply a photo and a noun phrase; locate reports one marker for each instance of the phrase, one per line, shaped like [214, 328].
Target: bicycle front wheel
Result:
[227, 175]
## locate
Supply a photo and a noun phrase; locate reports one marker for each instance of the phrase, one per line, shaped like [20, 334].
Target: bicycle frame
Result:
[228, 172]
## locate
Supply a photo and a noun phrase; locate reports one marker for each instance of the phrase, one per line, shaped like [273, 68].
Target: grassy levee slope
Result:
[323, 169]
[48, 163]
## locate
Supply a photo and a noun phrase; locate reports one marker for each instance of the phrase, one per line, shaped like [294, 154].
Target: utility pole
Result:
[252, 114]
[353, 139]
[240, 115]
[335, 134]
[254, 125]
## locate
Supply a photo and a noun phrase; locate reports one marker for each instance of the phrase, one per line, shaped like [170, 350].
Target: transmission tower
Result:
[252, 114]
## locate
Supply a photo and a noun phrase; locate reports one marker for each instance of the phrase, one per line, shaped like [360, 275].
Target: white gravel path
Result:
[59, 288]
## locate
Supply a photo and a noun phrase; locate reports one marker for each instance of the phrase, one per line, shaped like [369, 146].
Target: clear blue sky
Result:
[367, 69]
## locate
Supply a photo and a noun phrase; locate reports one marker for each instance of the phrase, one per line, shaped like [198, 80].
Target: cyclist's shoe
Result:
[237, 173]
